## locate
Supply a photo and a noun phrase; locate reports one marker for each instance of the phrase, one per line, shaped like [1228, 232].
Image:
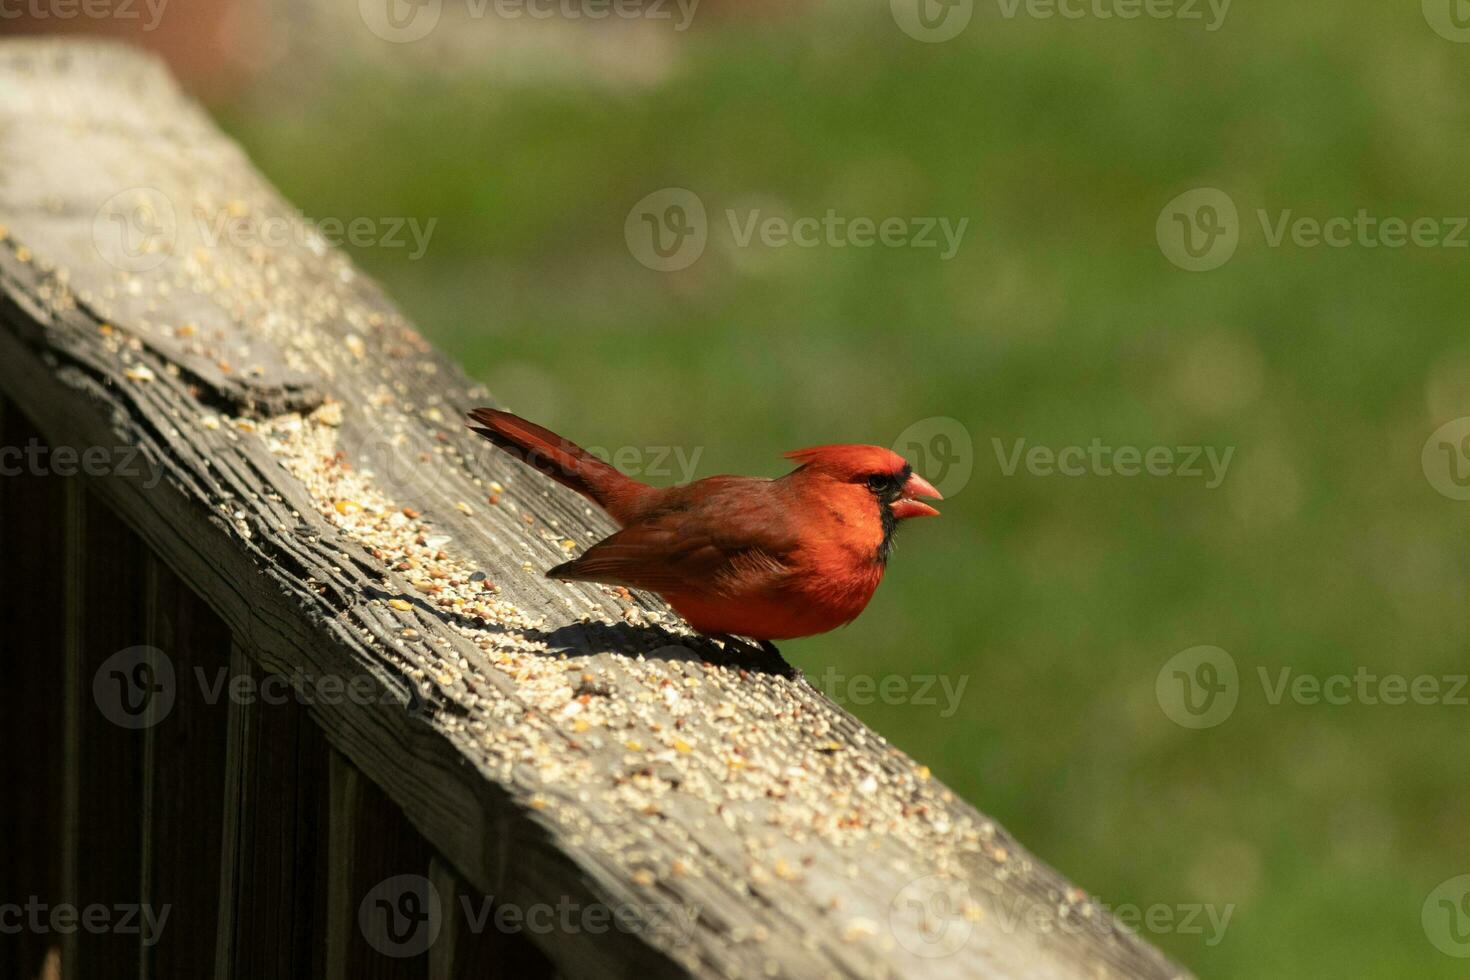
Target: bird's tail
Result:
[561, 459]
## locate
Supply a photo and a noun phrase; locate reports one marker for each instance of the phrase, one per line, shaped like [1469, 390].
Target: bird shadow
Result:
[650, 640]
[657, 642]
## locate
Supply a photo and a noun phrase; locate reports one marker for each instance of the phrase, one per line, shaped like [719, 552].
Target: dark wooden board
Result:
[276, 853]
[106, 566]
[475, 944]
[185, 777]
[384, 914]
[32, 710]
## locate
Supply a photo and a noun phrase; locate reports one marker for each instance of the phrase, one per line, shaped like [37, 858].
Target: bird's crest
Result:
[849, 459]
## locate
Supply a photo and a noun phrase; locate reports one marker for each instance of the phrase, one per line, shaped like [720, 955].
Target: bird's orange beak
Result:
[907, 505]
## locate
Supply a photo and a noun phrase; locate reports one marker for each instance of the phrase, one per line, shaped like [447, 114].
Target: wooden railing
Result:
[281, 674]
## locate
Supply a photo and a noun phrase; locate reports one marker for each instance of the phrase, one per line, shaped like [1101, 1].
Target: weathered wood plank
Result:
[383, 915]
[74, 516]
[473, 944]
[32, 708]
[185, 776]
[237, 738]
[118, 692]
[555, 743]
[279, 800]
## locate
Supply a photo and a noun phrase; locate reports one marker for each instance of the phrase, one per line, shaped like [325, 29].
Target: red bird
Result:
[737, 555]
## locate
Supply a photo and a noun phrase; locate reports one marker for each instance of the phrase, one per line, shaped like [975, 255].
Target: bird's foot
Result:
[730, 640]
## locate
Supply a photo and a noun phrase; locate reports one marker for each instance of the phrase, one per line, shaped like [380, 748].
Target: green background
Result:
[1057, 600]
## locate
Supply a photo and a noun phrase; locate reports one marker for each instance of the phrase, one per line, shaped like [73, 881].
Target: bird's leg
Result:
[730, 640]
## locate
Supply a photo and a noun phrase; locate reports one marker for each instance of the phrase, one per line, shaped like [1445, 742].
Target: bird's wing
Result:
[723, 537]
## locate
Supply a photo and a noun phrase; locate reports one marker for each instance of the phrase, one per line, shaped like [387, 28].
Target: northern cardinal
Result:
[737, 555]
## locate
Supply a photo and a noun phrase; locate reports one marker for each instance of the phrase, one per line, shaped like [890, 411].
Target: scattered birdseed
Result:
[761, 756]
[329, 414]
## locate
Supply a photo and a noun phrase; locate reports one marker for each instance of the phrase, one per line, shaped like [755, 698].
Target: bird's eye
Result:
[877, 483]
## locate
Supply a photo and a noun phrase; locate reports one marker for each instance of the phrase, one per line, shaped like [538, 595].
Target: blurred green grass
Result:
[1058, 321]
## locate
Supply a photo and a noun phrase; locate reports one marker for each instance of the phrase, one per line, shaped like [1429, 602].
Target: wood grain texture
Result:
[185, 777]
[383, 912]
[109, 768]
[32, 708]
[273, 879]
[306, 471]
[473, 945]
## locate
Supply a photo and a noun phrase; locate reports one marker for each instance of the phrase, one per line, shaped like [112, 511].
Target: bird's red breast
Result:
[767, 559]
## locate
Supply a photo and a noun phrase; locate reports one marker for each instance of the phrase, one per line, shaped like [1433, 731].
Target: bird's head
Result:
[881, 472]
